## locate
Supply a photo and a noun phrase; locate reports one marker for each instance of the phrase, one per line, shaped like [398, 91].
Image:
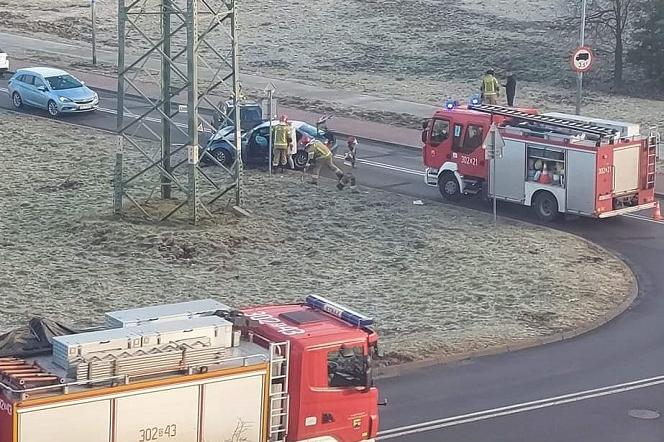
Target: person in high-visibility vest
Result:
[322, 155]
[281, 139]
[490, 88]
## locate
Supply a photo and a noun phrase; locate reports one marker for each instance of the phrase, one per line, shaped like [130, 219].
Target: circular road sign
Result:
[582, 59]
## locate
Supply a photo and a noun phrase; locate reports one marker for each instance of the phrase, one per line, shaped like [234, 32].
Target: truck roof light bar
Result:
[338, 310]
[535, 118]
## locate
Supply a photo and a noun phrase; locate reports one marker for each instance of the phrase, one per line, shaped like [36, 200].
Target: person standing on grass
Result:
[510, 88]
[280, 135]
[292, 146]
[490, 88]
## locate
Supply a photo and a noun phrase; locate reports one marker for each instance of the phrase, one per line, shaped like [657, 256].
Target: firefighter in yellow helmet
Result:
[322, 155]
[490, 88]
[281, 139]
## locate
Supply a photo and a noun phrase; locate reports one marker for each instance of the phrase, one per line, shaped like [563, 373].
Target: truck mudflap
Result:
[626, 210]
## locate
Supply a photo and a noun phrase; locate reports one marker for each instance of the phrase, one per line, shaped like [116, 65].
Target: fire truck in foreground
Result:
[199, 372]
[555, 163]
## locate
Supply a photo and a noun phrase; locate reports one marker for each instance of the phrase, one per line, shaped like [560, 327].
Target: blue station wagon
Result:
[54, 90]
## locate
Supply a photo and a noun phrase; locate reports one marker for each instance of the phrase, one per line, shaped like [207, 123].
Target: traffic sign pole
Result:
[579, 78]
[494, 151]
[269, 91]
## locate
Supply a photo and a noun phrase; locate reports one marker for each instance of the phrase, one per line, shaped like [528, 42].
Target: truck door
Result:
[466, 150]
[439, 144]
[341, 397]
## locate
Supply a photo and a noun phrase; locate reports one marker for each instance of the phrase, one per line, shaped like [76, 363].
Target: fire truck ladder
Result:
[653, 143]
[279, 400]
[543, 119]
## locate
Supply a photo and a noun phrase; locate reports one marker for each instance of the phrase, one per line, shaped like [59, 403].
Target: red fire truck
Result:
[555, 163]
[199, 372]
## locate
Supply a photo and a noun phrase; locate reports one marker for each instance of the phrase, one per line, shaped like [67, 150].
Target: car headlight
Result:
[96, 96]
[65, 100]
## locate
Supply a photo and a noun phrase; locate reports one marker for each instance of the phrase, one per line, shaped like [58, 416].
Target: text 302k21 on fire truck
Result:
[199, 372]
[555, 163]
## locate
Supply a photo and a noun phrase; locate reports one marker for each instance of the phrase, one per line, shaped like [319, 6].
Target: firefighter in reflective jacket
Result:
[281, 139]
[490, 88]
[322, 156]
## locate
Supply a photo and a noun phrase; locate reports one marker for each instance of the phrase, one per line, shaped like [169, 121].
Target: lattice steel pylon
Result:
[167, 48]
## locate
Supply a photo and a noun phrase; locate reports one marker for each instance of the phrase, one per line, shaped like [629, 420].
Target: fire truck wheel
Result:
[448, 186]
[545, 206]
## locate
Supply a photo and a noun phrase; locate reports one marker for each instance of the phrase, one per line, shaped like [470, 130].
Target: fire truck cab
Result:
[198, 371]
[331, 388]
[555, 163]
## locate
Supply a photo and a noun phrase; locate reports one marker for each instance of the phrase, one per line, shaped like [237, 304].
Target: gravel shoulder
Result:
[439, 280]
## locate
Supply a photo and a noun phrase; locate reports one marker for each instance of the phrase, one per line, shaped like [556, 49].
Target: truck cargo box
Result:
[230, 407]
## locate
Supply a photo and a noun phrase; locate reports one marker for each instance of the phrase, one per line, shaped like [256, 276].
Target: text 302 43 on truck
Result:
[555, 163]
[198, 371]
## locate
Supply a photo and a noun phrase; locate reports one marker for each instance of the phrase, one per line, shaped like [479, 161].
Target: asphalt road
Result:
[586, 388]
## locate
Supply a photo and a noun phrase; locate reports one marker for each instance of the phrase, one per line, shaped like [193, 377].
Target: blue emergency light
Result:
[451, 104]
[341, 312]
[475, 100]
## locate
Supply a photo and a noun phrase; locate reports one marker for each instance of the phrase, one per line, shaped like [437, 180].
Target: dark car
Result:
[255, 144]
[251, 115]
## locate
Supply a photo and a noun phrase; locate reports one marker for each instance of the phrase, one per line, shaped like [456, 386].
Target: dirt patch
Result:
[437, 279]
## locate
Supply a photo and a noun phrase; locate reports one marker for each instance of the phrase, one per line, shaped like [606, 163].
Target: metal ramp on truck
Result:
[581, 126]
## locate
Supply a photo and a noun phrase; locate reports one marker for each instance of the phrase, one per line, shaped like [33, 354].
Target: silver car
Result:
[51, 89]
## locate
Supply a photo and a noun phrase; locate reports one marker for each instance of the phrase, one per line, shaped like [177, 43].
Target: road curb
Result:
[523, 344]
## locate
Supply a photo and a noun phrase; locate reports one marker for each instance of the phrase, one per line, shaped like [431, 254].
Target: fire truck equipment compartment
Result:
[211, 331]
[168, 312]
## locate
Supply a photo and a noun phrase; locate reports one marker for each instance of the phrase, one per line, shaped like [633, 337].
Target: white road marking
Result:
[519, 408]
[643, 218]
[386, 166]
[4, 89]
[150, 119]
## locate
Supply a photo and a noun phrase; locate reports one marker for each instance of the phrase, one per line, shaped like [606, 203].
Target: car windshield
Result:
[63, 82]
[309, 130]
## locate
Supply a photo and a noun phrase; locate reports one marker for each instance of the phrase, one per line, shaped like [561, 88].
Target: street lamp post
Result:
[579, 76]
[94, 32]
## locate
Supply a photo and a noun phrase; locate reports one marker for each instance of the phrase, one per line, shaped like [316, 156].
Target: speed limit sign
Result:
[582, 59]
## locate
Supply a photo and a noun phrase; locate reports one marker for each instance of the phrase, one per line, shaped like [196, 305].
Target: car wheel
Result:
[222, 156]
[17, 101]
[448, 185]
[300, 159]
[52, 109]
[546, 206]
